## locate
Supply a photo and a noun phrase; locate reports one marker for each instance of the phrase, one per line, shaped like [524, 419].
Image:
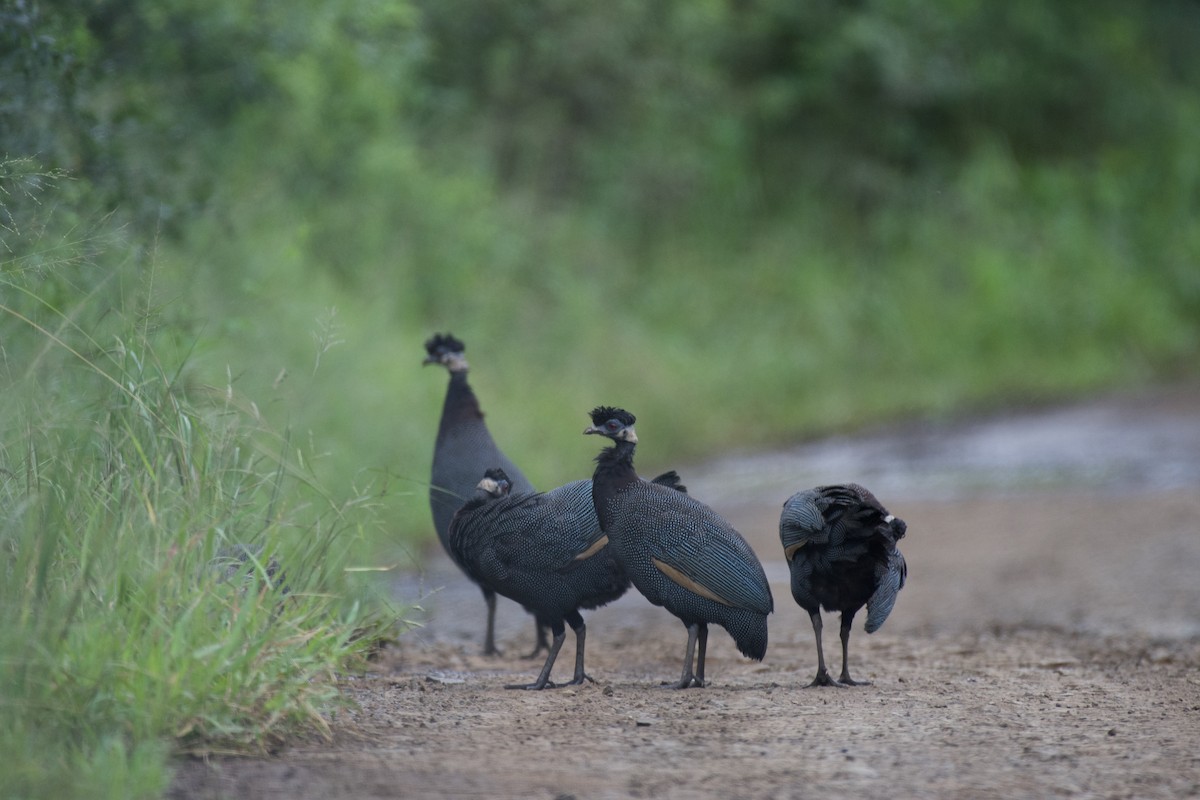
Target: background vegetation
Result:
[227, 227]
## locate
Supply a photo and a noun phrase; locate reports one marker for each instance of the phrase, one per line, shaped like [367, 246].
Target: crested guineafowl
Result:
[840, 544]
[545, 551]
[463, 451]
[677, 551]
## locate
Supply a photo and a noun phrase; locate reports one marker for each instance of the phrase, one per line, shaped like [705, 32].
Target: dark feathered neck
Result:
[614, 472]
[460, 405]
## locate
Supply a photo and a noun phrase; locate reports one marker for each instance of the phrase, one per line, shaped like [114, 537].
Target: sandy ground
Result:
[1047, 644]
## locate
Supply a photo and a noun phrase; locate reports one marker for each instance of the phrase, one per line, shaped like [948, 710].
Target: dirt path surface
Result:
[1048, 644]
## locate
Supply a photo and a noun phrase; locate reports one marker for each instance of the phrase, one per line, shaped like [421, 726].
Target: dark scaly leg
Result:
[822, 678]
[543, 679]
[698, 681]
[489, 639]
[542, 643]
[576, 623]
[847, 618]
[687, 677]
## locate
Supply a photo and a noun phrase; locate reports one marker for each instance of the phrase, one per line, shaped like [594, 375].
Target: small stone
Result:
[607, 691]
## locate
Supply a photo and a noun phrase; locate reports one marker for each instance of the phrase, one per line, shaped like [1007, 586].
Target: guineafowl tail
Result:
[749, 631]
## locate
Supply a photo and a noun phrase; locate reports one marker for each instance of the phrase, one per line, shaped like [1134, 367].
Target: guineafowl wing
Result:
[801, 523]
[548, 531]
[705, 555]
[890, 576]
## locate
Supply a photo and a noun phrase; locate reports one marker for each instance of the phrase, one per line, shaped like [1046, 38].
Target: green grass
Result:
[124, 635]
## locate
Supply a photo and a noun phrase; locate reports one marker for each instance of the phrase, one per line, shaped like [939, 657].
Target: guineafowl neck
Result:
[460, 405]
[614, 473]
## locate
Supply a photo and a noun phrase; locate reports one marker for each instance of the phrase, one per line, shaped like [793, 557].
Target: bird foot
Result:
[689, 682]
[823, 679]
[846, 680]
[578, 680]
[532, 687]
[491, 651]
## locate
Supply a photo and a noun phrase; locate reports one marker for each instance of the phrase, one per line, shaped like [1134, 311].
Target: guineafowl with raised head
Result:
[677, 551]
[463, 451]
[546, 551]
[840, 544]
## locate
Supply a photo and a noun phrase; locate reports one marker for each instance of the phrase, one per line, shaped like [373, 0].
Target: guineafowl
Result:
[464, 449]
[677, 551]
[545, 551]
[840, 543]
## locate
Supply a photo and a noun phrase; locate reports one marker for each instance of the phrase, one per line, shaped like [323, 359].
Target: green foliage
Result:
[171, 576]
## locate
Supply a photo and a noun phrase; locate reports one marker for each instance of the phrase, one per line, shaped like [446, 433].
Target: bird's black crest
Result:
[497, 474]
[444, 343]
[602, 414]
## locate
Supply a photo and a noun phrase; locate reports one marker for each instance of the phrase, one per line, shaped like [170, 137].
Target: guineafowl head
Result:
[444, 349]
[495, 482]
[615, 423]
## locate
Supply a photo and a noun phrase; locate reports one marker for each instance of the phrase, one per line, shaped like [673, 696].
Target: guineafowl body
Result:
[545, 551]
[677, 551]
[464, 450]
[840, 543]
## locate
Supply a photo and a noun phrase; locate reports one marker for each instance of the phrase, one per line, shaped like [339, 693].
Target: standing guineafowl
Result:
[545, 551]
[840, 543]
[463, 451]
[677, 551]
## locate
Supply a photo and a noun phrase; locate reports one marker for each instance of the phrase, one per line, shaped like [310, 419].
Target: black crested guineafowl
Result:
[545, 551]
[463, 451]
[677, 551]
[840, 544]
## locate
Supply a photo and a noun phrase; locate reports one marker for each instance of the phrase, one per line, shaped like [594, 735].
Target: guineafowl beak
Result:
[625, 434]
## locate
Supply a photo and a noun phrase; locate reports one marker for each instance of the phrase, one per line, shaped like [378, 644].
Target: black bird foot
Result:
[846, 680]
[491, 651]
[532, 687]
[691, 682]
[823, 679]
[578, 680]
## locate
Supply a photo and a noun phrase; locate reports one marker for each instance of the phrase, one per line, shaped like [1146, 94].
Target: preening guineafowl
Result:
[840, 543]
[546, 551]
[677, 551]
[463, 451]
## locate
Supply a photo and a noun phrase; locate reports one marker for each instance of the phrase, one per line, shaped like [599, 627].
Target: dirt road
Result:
[1048, 644]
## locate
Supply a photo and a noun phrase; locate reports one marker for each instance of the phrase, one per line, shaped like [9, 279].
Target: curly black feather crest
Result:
[496, 474]
[602, 414]
[444, 343]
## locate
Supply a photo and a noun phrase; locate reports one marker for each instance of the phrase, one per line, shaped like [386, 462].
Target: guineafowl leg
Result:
[845, 679]
[543, 679]
[576, 623]
[688, 677]
[542, 643]
[489, 639]
[702, 644]
[822, 678]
